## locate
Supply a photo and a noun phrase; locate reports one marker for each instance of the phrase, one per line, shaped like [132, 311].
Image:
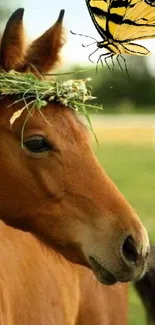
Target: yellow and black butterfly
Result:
[120, 23]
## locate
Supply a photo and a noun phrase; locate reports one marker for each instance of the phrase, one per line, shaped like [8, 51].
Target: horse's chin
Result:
[102, 275]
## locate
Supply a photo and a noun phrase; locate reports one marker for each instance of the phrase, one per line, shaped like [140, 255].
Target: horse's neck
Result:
[24, 245]
[30, 269]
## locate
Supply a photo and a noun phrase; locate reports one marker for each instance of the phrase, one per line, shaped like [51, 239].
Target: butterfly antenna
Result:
[83, 35]
[89, 44]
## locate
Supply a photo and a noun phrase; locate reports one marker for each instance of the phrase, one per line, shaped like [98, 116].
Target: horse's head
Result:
[54, 186]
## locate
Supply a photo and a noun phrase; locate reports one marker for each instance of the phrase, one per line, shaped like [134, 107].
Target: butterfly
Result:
[120, 23]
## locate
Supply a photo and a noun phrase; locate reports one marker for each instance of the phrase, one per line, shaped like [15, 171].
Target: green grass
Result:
[132, 168]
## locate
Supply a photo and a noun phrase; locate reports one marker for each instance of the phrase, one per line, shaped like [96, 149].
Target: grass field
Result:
[132, 167]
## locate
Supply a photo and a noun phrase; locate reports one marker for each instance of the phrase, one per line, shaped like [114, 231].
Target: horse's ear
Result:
[12, 43]
[44, 52]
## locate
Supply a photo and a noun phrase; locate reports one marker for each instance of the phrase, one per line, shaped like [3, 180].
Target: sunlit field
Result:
[129, 159]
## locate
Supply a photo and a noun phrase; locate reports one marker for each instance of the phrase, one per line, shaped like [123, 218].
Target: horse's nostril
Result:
[129, 250]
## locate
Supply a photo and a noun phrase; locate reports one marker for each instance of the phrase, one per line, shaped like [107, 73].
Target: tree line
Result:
[120, 90]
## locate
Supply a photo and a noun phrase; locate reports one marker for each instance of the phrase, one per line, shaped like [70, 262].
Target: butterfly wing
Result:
[131, 48]
[98, 11]
[150, 2]
[138, 22]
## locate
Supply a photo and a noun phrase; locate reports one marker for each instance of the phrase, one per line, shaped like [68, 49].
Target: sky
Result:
[41, 14]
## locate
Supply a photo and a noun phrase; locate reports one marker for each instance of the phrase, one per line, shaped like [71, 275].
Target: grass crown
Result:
[71, 93]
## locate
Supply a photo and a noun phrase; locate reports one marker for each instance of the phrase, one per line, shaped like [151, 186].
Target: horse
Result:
[69, 239]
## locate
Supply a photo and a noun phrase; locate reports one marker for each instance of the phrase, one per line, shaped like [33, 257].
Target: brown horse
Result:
[66, 231]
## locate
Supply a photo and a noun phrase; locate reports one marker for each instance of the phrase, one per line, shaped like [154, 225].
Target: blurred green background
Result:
[126, 133]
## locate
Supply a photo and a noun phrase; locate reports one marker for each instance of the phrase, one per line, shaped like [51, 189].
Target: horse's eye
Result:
[37, 144]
